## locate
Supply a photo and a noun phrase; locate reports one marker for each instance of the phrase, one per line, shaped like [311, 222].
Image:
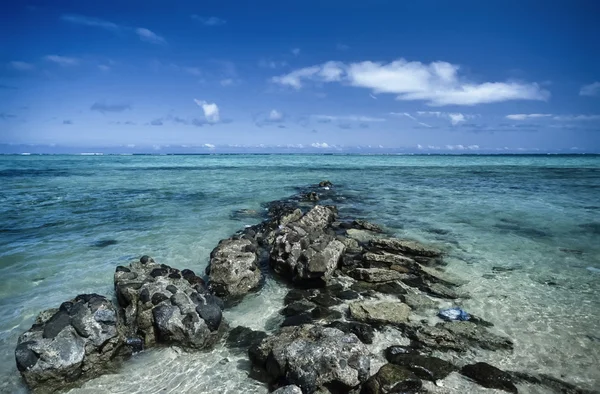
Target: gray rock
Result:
[389, 259]
[292, 389]
[189, 317]
[375, 274]
[404, 246]
[392, 379]
[303, 252]
[70, 345]
[363, 236]
[425, 367]
[419, 301]
[363, 224]
[312, 357]
[233, 268]
[380, 312]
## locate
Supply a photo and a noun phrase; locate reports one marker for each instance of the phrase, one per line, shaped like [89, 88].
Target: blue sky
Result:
[427, 76]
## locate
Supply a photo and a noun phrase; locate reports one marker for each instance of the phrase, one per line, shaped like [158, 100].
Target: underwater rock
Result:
[425, 367]
[392, 379]
[489, 376]
[380, 312]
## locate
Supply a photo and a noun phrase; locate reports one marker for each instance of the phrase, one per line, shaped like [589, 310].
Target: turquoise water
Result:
[67, 221]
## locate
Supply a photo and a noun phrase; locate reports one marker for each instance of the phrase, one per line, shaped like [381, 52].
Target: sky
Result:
[300, 76]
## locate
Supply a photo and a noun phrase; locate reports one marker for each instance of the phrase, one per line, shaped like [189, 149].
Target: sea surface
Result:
[524, 231]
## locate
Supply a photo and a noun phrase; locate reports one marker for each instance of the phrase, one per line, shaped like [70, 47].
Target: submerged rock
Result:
[392, 379]
[380, 312]
[375, 274]
[489, 376]
[425, 367]
[325, 183]
[244, 337]
[312, 357]
[233, 269]
[69, 345]
[165, 305]
[406, 247]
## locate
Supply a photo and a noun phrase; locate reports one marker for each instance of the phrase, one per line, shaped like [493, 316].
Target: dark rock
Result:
[105, 242]
[313, 356]
[244, 337]
[298, 307]
[310, 196]
[489, 376]
[364, 332]
[325, 299]
[425, 367]
[298, 320]
[120, 268]
[70, 345]
[347, 295]
[375, 274]
[181, 312]
[406, 247]
[233, 268]
[296, 295]
[392, 379]
[325, 313]
[325, 183]
[146, 259]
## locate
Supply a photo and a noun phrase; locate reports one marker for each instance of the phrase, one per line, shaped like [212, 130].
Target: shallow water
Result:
[67, 221]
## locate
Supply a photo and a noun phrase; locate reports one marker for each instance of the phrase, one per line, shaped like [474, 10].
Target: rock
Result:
[241, 214]
[322, 313]
[313, 356]
[437, 275]
[233, 268]
[298, 320]
[375, 274]
[407, 247]
[392, 379]
[388, 259]
[457, 336]
[69, 345]
[325, 300]
[364, 225]
[363, 236]
[489, 376]
[310, 196]
[325, 183]
[347, 295]
[189, 317]
[380, 312]
[298, 307]
[364, 332]
[419, 301]
[292, 389]
[442, 291]
[304, 253]
[425, 367]
[244, 337]
[387, 287]
[297, 295]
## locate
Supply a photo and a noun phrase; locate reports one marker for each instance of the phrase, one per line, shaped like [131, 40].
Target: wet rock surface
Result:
[380, 312]
[425, 367]
[76, 342]
[489, 376]
[164, 305]
[392, 379]
[233, 269]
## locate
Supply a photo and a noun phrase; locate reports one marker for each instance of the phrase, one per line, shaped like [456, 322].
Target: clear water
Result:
[537, 214]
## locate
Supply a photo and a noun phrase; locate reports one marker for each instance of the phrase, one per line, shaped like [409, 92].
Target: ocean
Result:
[524, 231]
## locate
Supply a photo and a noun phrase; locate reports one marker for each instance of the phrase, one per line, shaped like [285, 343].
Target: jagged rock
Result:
[425, 367]
[364, 225]
[325, 183]
[439, 276]
[298, 307]
[163, 304]
[489, 376]
[69, 345]
[312, 357]
[303, 252]
[392, 379]
[388, 259]
[292, 389]
[457, 336]
[393, 288]
[419, 301]
[310, 196]
[380, 312]
[404, 246]
[375, 274]
[244, 337]
[364, 332]
[233, 269]
[363, 236]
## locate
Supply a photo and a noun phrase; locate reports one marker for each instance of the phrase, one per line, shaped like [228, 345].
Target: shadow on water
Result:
[104, 243]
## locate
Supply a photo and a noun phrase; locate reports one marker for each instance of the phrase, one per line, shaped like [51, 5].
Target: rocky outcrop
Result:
[303, 252]
[312, 356]
[425, 367]
[163, 304]
[71, 344]
[489, 376]
[380, 312]
[392, 379]
[405, 247]
[375, 274]
[233, 270]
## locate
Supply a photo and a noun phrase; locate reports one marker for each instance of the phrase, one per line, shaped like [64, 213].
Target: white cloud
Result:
[195, 71]
[320, 145]
[351, 118]
[431, 113]
[275, 116]
[425, 125]
[457, 118]
[267, 63]
[103, 67]
[62, 60]
[149, 36]
[211, 110]
[209, 21]
[93, 22]
[437, 83]
[527, 116]
[21, 66]
[593, 89]
[372, 96]
[577, 117]
[227, 82]
[209, 146]
[296, 51]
